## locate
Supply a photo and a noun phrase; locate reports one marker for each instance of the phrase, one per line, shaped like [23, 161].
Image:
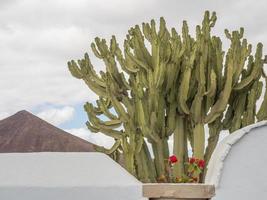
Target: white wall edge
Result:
[220, 153]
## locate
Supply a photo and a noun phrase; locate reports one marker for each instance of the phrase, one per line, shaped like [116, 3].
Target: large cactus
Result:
[165, 84]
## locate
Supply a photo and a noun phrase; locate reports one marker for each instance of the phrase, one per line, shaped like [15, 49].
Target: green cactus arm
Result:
[99, 90]
[162, 28]
[100, 48]
[144, 79]
[179, 145]
[128, 104]
[156, 61]
[111, 124]
[88, 65]
[177, 48]
[141, 168]
[130, 67]
[186, 37]
[153, 122]
[97, 125]
[213, 19]
[106, 127]
[262, 113]
[239, 109]
[214, 134]
[92, 128]
[252, 97]
[119, 108]
[105, 110]
[147, 31]
[128, 156]
[124, 81]
[211, 81]
[114, 147]
[74, 69]
[213, 85]
[160, 76]
[197, 108]
[111, 133]
[95, 51]
[116, 123]
[125, 63]
[201, 47]
[161, 119]
[108, 56]
[135, 60]
[138, 44]
[159, 159]
[146, 171]
[150, 163]
[172, 72]
[89, 108]
[183, 90]
[150, 177]
[189, 130]
[143, 122]
[171, 122]
[258, 91]
[227, 34]
[153, 30]
[108, 132]
[199, 141]
[224, 96]
[139, 144]
[228, 117]
[244, 54]
[219, 55]
[256, 70]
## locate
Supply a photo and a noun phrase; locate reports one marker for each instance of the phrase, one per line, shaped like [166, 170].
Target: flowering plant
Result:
[173, 159]
[194, 168]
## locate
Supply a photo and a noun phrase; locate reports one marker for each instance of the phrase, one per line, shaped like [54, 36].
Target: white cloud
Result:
[96, 138]
[34, 70]
[57, 116]
[38, 37]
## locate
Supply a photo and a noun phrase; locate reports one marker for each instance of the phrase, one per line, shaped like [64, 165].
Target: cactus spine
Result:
[176, 88]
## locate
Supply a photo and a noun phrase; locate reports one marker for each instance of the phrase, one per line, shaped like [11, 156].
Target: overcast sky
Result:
[37, 38]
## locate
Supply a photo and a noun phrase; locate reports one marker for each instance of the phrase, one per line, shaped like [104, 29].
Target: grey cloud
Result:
[37, 38]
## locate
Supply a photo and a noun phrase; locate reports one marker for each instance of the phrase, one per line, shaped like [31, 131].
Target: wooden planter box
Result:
[172, 191]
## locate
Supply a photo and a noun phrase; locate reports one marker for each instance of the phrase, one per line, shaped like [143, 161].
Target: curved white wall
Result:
[238, 166]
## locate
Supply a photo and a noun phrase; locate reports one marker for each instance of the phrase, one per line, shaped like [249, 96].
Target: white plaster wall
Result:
[66, 176]
[238, 166]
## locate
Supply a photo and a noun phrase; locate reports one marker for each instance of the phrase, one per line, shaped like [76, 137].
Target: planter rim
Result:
[178, 190]
[183, 184]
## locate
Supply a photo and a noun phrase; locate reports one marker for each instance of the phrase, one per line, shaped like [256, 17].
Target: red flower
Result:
[201, 163]
[192, 160]
[173, 159]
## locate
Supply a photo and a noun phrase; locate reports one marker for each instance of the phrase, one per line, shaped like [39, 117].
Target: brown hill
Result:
[24, 132]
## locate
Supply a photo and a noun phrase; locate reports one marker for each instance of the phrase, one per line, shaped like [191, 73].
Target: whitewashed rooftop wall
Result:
[238, 166]
[65, 176]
